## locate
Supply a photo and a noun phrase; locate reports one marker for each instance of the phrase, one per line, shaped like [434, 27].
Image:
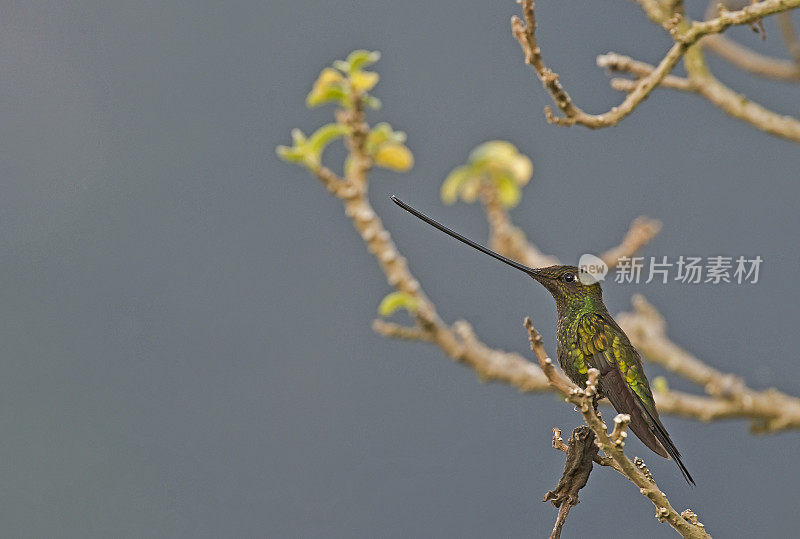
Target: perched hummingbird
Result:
[588, 337]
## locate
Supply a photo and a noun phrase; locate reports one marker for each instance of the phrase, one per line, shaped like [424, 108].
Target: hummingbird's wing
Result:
[624, 383]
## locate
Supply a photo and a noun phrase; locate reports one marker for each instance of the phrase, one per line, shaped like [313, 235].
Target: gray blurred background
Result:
[185, 320]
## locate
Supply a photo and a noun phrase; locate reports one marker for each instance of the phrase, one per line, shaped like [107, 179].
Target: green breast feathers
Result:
[593, 341]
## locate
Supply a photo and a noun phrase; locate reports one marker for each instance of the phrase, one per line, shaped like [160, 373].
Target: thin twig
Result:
[654, 10]
[749, 14]
[703, 83]
[789, 35]
[736, 104]
[641, 232]
[749, 60]
[619, 63]
[397, 331]
[506, 238]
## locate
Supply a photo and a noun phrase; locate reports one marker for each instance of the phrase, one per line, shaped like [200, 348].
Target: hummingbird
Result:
[589, 337]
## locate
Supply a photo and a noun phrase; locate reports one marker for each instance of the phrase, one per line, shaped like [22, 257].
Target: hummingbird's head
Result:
[567, 284]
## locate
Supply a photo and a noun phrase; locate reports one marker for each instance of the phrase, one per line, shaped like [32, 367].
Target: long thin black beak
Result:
[514, 264]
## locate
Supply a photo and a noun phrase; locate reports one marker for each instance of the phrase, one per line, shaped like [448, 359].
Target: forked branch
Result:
[687, 36]
[572, 114]
[703, 83]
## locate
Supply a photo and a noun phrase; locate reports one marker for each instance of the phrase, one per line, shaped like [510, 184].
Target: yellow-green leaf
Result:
[290, 154]
[296, 153]
[381, 134]
[327, 87]
[321, 138]
[508, 192]
[298, 138]
[308, 151]
[494, 150]
[470, 189]
[394, 156]
[521, 168]
[396, 301]
[453, 183]
[327, 95]
[495, 163]
[363, 81]
[342, 66]
[329, 76]
[371, 101]
[359, 59]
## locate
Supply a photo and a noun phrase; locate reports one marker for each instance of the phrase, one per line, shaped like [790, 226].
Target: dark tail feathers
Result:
[645, 426]
[666, 443]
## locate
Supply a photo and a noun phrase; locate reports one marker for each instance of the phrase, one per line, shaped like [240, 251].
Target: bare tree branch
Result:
[506, 238]
[641, 232]
[736, 104]
[749, 60]
[686, 35]
[526, 35]
[655, 10]
[789, 35]
[747, 15]
[703, 83]
[759, 64]
[625, 64]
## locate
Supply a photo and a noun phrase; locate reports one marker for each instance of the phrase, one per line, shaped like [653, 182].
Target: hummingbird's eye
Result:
[568, 277]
